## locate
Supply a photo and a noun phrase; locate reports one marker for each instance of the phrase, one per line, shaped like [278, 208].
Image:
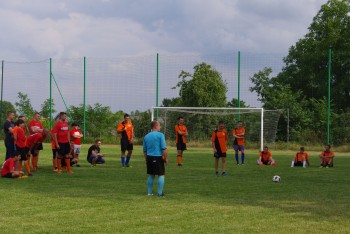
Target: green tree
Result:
[24, 105]
[45, 108]
[205, 88]
[307, 62]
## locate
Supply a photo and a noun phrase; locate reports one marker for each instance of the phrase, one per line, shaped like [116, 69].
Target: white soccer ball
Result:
[276, 179]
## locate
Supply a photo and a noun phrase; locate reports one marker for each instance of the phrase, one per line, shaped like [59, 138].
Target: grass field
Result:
[111, 199]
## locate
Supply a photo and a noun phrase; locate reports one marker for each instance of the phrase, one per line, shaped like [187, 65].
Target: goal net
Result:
[260, 124]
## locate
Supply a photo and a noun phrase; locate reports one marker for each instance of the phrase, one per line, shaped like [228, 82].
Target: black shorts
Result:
[54, 153]
[24, 152]
[298, 163]
[219, 155]
[155, 165]
[126, 145]
[38, 148]
[265, 162]
[181, 146]
[8, 175]
[64, 149]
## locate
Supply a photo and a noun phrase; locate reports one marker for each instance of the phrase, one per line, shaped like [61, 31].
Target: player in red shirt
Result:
[35, 126]
[301, 158]
[62, 140]
[181, 134]
[327, 157]
[75, 135]
[21, 145]
[265, 158]
[218, 143]
[8, 167]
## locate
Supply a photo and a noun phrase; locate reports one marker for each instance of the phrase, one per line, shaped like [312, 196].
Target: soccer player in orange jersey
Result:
[238, 143]
[126, 131]
[327, 157]
[218, 143]
[181, 134]
[265, 158]
[301, 158]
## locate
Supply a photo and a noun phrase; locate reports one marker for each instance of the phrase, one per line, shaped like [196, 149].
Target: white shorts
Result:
[77, 149]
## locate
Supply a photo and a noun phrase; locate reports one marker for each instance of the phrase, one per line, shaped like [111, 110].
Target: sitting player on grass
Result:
[327, 157]
[94, 156]
[8, 167]
[301, 158]
[265, 158]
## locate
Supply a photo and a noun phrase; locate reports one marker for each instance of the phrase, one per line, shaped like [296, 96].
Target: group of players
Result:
[66, 145]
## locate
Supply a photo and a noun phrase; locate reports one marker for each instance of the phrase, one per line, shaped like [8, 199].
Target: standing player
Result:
[265, 158]
[21, 145]
[218, 143]
[126, 131]
[75, 135]
[155, 152]
[8, 129]
[181, 133]
[301, 158]
[62, 138]
[238, 143]
[327, 157]
[35, 126]
[8, 167]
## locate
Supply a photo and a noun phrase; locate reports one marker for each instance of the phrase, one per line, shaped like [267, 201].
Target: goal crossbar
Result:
[201, 110]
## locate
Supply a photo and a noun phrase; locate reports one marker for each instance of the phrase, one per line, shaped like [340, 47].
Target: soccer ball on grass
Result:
[276, 179]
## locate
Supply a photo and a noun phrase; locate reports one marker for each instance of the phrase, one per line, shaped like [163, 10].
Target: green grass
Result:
[111, 199]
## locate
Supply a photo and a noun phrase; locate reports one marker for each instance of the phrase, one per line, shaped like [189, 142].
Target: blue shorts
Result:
[238, 147]
[100, 160]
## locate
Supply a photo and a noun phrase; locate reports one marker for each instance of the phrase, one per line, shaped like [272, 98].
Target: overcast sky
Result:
[36, 30]
[40, 29]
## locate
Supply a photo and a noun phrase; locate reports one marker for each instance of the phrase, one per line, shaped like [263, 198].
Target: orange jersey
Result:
[239, 132]
[299, 156]
[14, 133]
[328, 155]
[129, 130]
[220, 138]
[180, 138]
[265, 156]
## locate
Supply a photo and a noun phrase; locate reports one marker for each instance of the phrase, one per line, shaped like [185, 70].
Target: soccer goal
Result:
[260, 124]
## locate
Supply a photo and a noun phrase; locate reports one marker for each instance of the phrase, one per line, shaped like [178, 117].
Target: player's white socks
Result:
[292, 164]
[304, 164]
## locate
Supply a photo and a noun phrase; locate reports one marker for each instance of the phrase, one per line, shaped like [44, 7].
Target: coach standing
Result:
[9, 125]
[156, 154]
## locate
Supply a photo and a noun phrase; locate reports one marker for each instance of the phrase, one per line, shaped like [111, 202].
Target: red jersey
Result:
[21, 138]
[220, 138]
[8, 166]
[73, 133]
[34, 123]
[180, 138]
[33, 139]
[265, 156]
[62, 131]
[239, 132]
[129, 129]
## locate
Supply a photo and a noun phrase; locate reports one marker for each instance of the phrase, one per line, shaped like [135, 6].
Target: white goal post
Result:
[217, 111]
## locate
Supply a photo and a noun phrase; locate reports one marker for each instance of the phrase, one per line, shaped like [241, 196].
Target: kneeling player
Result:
[301, 158]
[8, 168]
[265, 158]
